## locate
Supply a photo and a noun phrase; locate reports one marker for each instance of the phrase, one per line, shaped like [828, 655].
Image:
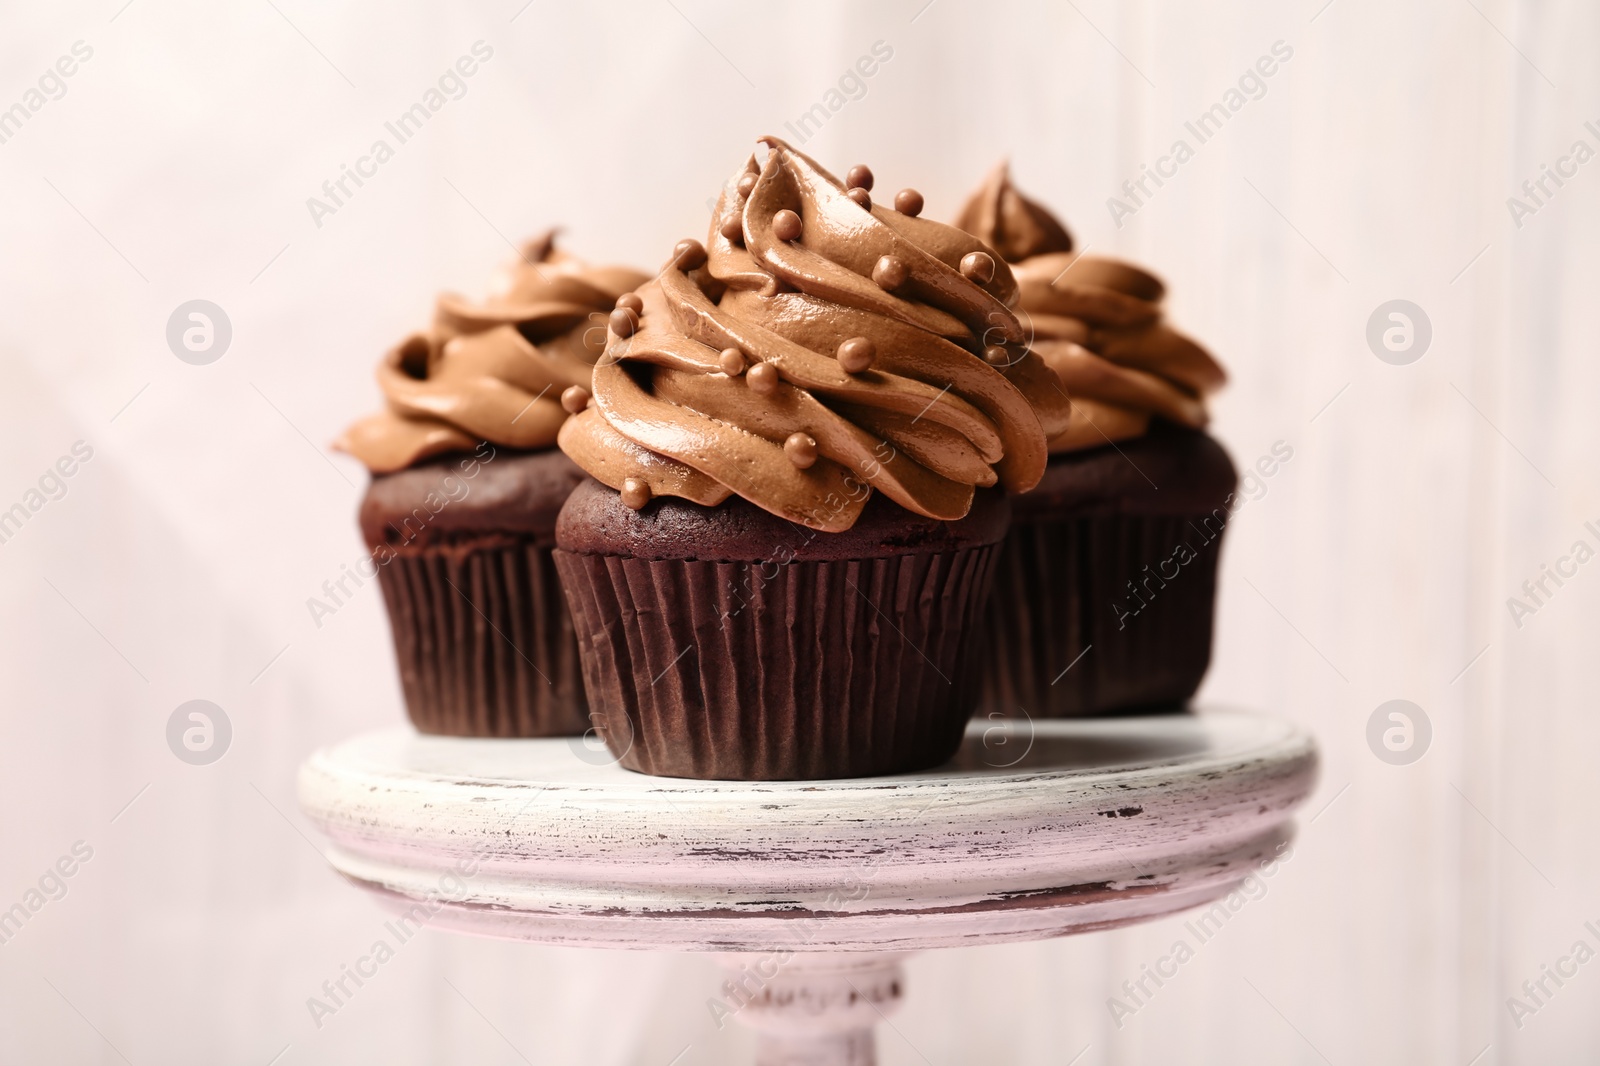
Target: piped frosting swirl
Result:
[820, 347]
[496, 370]
[1096, 321]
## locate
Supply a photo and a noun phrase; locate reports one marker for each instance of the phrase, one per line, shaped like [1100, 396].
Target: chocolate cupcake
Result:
[1104, 593]
[801, 436]
[467, 482]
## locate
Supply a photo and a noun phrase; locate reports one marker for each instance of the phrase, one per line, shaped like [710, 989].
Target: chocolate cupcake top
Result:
[1096, 321]
[496, 370]
[823, 346]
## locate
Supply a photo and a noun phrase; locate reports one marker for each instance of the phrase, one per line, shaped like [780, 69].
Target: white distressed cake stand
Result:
[815, 890]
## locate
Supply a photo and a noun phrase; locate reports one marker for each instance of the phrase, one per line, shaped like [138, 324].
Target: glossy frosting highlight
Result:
[496, 370]
[820, 346]
[1096, 321]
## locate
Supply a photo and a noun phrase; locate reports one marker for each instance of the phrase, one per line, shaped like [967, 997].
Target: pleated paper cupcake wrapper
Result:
[805, 670]
[1067, 637]
[484, 641]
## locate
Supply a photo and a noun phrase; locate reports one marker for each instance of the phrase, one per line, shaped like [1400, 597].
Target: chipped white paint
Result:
[1033, 831]
[1100, 823]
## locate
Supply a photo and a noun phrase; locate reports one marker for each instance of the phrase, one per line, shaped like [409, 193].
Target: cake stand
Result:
[814, 891]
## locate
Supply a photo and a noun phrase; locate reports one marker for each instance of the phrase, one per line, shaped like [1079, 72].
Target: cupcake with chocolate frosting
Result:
[1104, 593]
[466, 485]
[802, 434]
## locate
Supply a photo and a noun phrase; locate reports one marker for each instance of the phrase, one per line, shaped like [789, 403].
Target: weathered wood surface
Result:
[1053, 828]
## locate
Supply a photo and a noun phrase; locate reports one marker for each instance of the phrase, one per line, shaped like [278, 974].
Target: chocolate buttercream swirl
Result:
[1009, 222]
[493, 371]
[821, 348]
[1096, 321]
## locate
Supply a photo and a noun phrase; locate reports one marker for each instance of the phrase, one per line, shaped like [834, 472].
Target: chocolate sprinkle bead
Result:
[786, 225]
[732, 362]
[763, 379]
[801, 450]
[978, 267]
[632, 302]
[689, 254]
[747, 184]
[857, 354]
[890, 272]
[635, 492]
[908, 202]
[575, 399]
[861, 197]
[624, 322]
[996, 356]
[859, 177]
[733, 228]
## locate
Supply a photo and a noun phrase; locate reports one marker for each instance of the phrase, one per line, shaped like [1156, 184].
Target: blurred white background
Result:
[1375, 166]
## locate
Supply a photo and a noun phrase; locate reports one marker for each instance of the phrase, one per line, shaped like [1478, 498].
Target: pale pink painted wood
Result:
[1077, 825]
[1035, 830]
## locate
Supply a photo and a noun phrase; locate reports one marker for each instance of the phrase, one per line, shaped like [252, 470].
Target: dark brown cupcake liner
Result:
[484, 642]
[1100, 614]
[804, 670]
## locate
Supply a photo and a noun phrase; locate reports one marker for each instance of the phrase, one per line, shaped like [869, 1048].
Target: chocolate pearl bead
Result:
[635, 492]
[747, 184]
[732, 362]
[801, 450]
[857, 354]
[860, 177]
[996, 355]
[861, 197]
[908, 202]
[978, 267]
[786, 225]
[632, 302]
[762, 379]
[890, 272]
[624, 322]
[733, 228]
[689, 254]
[575, 399]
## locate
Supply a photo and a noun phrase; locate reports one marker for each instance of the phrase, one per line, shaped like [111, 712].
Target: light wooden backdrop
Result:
[1377, 565]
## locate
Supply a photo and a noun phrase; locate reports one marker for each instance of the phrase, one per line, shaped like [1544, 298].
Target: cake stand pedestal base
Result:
[814, 1008]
